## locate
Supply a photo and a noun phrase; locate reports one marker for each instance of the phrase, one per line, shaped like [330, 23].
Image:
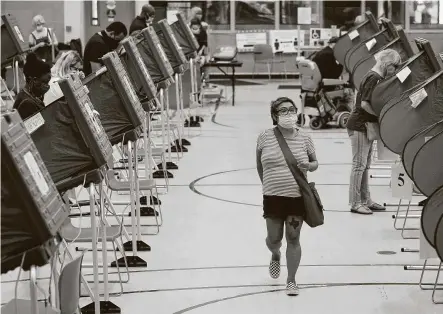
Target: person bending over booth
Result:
[37, 75]
[100, 44]
[202, 38]
[362, 123]
[143, 20]
[326, 62]
[68, 63]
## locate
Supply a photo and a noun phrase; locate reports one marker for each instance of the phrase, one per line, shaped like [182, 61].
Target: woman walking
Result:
[283, 204]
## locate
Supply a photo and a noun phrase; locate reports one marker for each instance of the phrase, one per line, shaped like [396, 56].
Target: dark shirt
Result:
[202, 39]
[26, 105]
[137, 24]
[96, 47]
[327, 64]
[359, 116]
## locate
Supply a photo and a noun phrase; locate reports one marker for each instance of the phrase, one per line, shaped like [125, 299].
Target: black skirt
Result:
[281, 206]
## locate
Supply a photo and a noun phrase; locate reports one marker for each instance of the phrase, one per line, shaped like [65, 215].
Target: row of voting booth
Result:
[409, 105]
[96, 136]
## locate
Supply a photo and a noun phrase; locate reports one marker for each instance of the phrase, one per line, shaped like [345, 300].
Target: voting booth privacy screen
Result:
[414, 71]
[153, 55]
[13, 42]
[185, 37]
[137, 71]
[114, 98]
[32, 210]
[68, 136]
[170, 45]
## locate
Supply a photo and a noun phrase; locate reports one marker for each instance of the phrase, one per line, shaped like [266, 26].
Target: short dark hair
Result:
[118, 28]
[276, 103]
[35, 67]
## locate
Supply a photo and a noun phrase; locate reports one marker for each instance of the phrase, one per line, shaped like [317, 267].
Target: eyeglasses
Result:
[285, 111]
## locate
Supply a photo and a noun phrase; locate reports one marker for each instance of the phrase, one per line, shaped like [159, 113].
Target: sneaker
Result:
[361, 209]
[292, 289]
[376, 207]
[274, 269]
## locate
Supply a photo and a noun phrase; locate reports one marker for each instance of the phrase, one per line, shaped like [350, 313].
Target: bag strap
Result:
[290, 159]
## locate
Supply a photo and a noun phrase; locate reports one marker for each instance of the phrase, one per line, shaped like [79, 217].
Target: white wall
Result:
[74, 11]
[138, 5]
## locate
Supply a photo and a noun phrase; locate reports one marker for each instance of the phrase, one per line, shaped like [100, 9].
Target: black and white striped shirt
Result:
[277, 178]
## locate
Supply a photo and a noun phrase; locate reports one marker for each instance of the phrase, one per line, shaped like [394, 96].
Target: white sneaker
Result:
[292, 289]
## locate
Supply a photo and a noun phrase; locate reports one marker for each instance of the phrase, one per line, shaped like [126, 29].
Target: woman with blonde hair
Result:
[361, 120]
[42, 40]
[68, 63]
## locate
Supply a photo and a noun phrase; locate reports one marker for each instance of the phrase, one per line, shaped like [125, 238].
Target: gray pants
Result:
[275, 227]
[361, 162]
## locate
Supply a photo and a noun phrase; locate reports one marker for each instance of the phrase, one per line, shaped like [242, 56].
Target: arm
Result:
[366, 93]
[366, 106]
[260, 143]
[259, 165]
[31, 41]
[310, 150]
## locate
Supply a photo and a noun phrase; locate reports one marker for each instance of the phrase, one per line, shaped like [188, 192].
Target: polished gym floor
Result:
[210, 255]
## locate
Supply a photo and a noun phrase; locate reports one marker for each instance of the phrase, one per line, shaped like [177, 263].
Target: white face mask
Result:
[288, 122]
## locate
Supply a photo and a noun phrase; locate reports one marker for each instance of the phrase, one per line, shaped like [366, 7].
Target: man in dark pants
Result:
[100, 44]
[143, 20]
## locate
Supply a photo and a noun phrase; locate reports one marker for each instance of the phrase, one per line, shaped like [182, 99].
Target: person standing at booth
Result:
[100, 44]
[143, 20]
[42, 40]
[362, 123]
[37, 75]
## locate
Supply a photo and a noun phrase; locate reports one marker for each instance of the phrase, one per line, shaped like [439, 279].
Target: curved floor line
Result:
[222, 267]
[242, 295]
[217, 106]
[193, 188]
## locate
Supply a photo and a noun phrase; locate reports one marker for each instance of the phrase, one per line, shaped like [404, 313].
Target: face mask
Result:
[390, 70]
[288, 121]
[39, 28]
[39, 88]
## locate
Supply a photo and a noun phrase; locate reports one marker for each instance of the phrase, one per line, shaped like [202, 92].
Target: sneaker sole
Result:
[361, 213]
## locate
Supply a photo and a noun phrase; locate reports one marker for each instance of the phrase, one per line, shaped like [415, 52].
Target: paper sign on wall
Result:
[418, 97]
[304, 15]
[247, 40]
[401, 184]
[286, 41]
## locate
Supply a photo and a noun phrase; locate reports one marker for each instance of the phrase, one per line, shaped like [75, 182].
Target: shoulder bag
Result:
[314, 209]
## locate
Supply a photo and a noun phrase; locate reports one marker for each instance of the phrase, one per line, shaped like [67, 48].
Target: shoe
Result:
[376, 207]
[292, 289]
[362, 209]
[274, 269]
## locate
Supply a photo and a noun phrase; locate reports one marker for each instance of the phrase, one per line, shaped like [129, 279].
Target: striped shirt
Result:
[277, 178]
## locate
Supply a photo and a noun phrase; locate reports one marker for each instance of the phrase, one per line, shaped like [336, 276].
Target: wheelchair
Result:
[323, 101]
